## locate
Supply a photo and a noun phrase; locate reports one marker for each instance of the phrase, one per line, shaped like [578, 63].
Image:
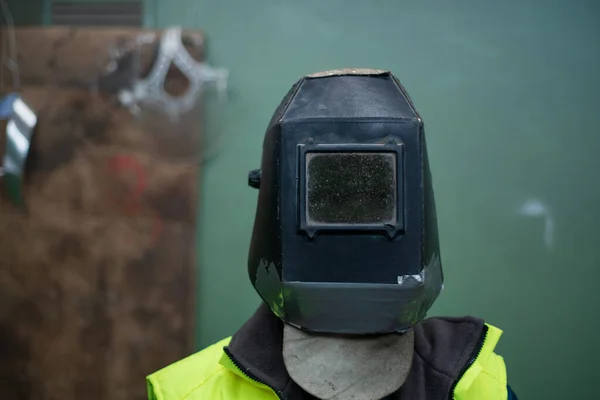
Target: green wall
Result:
[38, 12]
[25, 12]
[509, 94]
[508, 91]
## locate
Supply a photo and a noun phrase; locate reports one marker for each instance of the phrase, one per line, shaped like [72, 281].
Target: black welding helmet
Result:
[345, 237]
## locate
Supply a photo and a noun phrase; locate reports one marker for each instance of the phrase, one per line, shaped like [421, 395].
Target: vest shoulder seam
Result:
[219, 368]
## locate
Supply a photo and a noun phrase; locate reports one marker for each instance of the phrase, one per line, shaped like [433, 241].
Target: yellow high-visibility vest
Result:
[211, 375]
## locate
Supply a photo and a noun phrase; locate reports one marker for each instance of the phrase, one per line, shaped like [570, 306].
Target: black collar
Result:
[443, 347]
[257, 349]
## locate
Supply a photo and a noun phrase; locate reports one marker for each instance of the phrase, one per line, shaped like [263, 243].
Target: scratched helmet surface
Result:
[345, 237]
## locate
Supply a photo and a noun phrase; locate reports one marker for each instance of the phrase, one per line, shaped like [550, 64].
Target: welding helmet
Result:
[345, 237]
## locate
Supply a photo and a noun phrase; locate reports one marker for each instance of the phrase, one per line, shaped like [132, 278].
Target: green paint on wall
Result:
[25, 12]
[508, 91]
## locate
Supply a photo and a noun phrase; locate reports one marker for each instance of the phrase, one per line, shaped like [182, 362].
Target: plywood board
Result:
[69, 56]
[97, 273]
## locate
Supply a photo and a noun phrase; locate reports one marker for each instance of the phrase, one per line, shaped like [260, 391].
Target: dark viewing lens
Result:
[351, 188]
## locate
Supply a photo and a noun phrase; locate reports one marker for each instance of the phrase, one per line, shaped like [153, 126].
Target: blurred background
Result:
[509, 95]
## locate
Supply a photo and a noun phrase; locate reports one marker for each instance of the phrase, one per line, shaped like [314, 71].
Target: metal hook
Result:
[150, 90]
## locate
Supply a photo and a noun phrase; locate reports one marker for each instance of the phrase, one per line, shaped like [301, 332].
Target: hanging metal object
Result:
[150, 91]
[21, 118]
[19, 131]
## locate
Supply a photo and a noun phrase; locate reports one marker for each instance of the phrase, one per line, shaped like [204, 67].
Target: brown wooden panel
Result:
[73, 56]
[97, 274]
[93, 157]
[87, 312]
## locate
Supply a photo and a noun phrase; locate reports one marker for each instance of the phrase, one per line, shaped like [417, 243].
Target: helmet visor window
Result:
[351, 188]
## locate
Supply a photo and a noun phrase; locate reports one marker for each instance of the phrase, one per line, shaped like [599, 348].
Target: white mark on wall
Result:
[535, 208]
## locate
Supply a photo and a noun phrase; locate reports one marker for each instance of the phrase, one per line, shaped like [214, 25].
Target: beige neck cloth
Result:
[348, 368]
